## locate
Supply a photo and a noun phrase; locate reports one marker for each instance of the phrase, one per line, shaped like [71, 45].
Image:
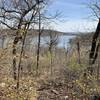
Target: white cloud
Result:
[75, 26]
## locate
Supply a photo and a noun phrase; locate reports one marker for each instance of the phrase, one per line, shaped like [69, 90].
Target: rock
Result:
[2, 85]
[66, 97]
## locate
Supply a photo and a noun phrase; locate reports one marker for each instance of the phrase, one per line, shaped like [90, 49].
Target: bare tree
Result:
[39, 39]
[42, 20]
[52, 42]
[95, 47]
[2, 37]
[22, 14]
[95, 7]
[95, 44]
[78, 51]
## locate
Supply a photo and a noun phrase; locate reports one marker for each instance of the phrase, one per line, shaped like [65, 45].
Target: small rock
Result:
[66, 97]
[2, 85]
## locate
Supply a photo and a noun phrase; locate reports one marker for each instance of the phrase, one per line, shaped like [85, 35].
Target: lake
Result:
[62, 40]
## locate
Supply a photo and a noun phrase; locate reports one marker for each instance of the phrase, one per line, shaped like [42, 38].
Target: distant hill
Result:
[8, 32]
[84, 39]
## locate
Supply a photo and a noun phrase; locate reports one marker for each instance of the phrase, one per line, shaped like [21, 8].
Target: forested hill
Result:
[45, 32]
[84, 39]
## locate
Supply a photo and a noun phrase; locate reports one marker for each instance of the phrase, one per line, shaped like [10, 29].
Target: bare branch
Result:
[7, 25]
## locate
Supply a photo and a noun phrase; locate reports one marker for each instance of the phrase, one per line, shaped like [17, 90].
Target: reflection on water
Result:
[62, 40]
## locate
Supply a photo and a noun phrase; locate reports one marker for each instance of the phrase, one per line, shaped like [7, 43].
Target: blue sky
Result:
[74, 13]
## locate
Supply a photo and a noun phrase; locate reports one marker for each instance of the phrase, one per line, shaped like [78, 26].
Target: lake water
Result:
[62, 40]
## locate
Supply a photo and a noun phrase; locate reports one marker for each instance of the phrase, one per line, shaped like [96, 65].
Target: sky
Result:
[74, 15]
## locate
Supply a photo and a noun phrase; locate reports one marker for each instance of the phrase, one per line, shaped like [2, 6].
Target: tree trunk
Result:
[39, 41]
